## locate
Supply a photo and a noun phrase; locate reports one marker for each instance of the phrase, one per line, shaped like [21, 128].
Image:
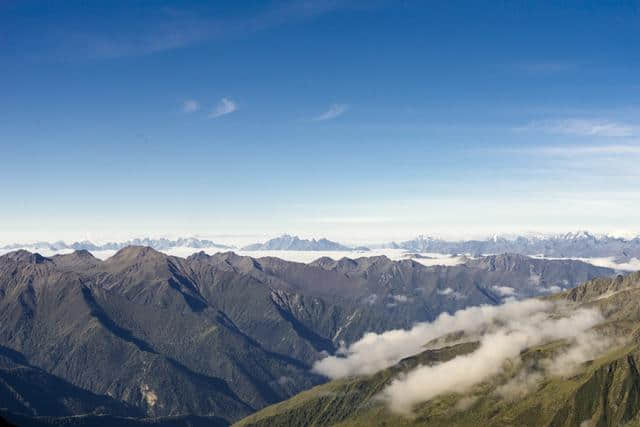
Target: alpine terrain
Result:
[146, 335]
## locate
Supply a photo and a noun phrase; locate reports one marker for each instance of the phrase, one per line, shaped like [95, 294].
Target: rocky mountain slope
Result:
[144, 334]
[603, 389]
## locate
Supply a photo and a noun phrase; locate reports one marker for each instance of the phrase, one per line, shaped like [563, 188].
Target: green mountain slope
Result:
[604, 391]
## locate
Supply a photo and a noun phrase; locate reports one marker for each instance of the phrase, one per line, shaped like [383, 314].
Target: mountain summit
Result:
[294, 243]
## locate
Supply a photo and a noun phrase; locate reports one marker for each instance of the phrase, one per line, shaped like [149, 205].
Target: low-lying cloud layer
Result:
[503, 332]
[378, 351]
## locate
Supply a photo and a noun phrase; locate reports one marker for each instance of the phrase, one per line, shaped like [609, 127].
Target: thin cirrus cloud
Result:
[335, 110]
[190, 106]
[571, 150]
[224, 107]
[168, 28]
[580, 127]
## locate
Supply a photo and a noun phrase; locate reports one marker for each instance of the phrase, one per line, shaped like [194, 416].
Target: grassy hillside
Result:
[604, 391]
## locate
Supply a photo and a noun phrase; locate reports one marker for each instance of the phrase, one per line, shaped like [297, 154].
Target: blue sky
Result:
[355, 120]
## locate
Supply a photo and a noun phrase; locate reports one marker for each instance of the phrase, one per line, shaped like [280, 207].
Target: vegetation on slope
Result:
[604, 391]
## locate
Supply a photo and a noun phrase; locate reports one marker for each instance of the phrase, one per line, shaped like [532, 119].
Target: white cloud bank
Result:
[505, 331]
[334, 111]
[378, 351]
[506, 343]
[632, 264]
[224, 107]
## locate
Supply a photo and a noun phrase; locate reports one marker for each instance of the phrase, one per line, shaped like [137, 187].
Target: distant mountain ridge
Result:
[581, 244]
[287, 242]
[576, 244]
[157, 244]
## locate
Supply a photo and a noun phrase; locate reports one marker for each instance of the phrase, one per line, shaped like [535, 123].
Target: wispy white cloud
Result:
[167, 28]
[335, 110]
[224, 107]
[190, 106]
[633, 264]
[571, 150]
[580, 127]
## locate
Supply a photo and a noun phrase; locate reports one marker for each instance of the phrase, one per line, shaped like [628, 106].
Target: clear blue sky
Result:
[357, 120]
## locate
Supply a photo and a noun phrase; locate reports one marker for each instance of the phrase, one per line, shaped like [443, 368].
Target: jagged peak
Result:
[322, 260]
[78, 254]
[602, 286]
[289, 242]
[78, 258]
[136, 252]
[199, 256]
[82, 253]
[227, 256]
[24, 256]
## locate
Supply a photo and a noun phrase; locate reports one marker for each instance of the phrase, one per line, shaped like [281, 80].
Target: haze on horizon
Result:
[352, 120]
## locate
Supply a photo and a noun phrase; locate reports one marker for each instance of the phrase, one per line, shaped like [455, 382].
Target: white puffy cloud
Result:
[497, 347]
[378, 351]
[503, 332]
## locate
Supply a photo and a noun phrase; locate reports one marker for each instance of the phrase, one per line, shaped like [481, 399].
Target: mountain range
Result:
[144, 335]
[546, 383]
[579, 244]
[294, 243]
[157, 244]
